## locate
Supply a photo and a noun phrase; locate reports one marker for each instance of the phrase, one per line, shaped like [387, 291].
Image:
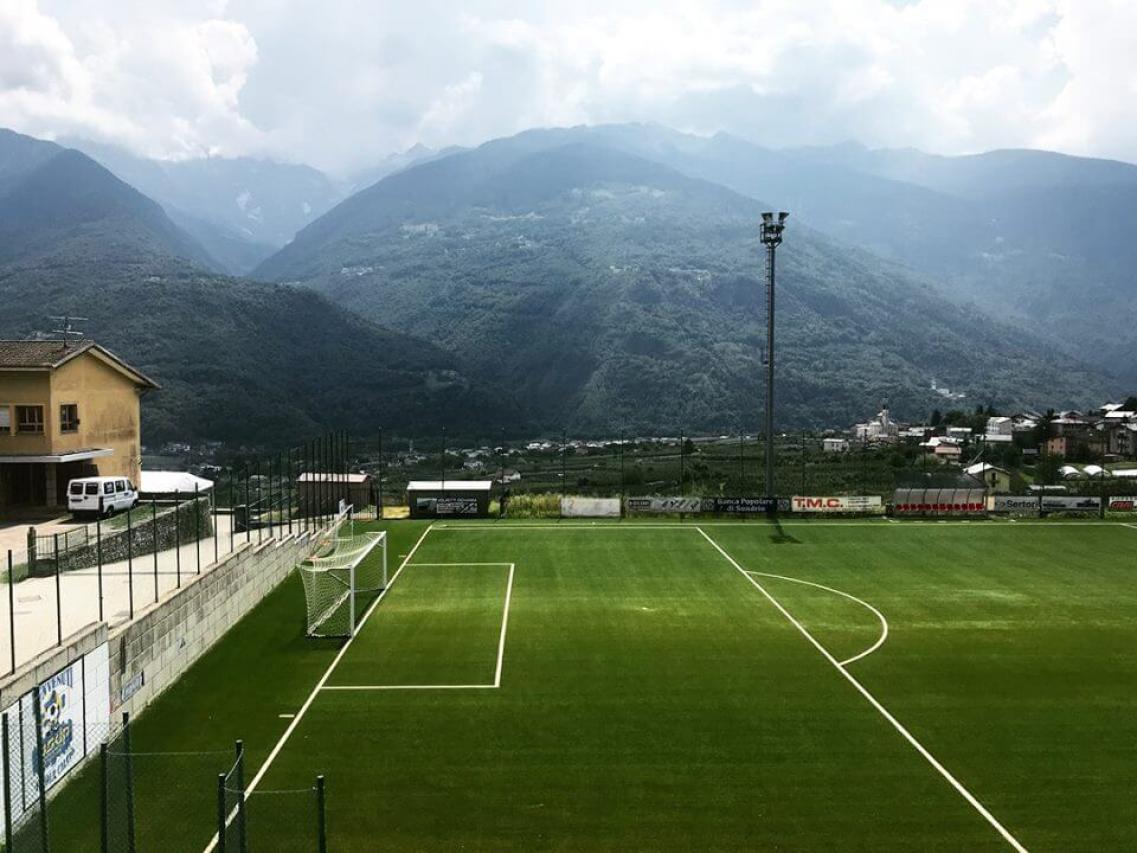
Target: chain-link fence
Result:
[127, 799]
[111, 569]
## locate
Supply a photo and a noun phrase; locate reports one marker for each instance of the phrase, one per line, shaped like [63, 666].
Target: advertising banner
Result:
[581, 507]
[1123, 504]
[61, 717]
[658, 505]
[447, 507]
[1071, 503]
[847, 503]
[1015, 503]
[740, 506]
[74, 713]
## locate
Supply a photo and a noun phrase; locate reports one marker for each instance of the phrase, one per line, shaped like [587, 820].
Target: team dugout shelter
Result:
[449, 498]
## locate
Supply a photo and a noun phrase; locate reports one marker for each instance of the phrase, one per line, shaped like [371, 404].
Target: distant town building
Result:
[880, 429]
[994, 478]
[835, 445]
[999, 426]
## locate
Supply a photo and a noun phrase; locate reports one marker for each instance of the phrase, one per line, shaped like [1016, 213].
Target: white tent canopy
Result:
[169, 482]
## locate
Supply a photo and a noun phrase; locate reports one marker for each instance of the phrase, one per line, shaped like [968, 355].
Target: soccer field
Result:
[844, 685]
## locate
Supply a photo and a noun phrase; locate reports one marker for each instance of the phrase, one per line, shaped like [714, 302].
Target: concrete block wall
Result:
[151, 653]
[43, 666]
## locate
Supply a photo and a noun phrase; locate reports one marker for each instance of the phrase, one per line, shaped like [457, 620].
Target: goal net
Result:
[345, 569]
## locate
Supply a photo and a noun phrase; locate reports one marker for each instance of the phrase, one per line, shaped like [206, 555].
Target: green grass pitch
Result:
[640, 686]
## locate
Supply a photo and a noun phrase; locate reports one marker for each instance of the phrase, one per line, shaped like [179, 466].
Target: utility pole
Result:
[771, 233]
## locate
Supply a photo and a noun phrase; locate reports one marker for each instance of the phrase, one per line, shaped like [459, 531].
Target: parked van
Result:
[100, 495]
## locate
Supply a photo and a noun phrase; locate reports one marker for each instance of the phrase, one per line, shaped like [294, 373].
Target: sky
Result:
[340, 84]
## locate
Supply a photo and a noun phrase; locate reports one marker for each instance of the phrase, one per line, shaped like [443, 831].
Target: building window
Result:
[69, 417]
[5, 419]
[29, 419]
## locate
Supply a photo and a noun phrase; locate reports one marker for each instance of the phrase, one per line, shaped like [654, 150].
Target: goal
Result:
[344, 571]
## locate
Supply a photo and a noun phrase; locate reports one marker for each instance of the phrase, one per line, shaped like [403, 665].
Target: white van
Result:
[101, 495]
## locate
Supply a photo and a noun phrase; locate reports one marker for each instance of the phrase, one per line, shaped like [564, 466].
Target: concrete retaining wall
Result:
[151, 653]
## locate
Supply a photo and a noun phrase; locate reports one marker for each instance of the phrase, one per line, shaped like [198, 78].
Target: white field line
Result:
[907, 735]
[504, 626]
[883, 524]
[212, 845]
[408, 687]
[1127, 524]
[500, 644]
[863, 603]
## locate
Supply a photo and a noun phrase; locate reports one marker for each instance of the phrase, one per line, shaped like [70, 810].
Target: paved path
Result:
[41, 614]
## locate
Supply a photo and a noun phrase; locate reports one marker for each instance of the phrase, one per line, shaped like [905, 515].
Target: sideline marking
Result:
[212, 845]
[896, 724]
[500, 645]
[1127, 524]
[863, 603]
[409, 687]
[758, 524]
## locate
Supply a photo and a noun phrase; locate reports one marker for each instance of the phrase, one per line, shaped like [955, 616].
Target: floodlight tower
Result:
[771, 233]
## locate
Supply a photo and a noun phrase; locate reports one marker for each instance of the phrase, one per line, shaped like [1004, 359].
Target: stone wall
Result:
[151, 653]
[192, 518]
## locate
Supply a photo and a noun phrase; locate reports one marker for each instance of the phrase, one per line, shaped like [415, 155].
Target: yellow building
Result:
[67, 409]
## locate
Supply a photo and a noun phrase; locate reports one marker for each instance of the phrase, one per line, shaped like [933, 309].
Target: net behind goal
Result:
[345, 570]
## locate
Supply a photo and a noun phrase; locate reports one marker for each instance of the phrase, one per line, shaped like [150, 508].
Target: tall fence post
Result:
[11, 611]
[248, 511]
[288, 477]
[242, 834]
[58, 594]
[321, 817]
[31, 550]
[4, 760]
[221, 812]
[154, 532]
[99, 556]
[128, 761]
[216, 532]
[197, 524]
[178, 537]
[232, 512]
[40, 783]
[104, 800]
[130, 559]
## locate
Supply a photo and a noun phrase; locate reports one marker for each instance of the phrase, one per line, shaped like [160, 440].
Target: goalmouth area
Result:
[804, 685]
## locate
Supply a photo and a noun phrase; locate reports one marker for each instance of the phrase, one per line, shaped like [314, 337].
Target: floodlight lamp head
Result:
[782, 217]
[767, 218]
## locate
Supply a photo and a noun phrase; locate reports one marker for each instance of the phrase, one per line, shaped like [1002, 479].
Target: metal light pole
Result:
[771, 233]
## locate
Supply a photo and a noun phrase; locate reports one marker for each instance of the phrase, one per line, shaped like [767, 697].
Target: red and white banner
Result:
[1123, 504]
[871, 504]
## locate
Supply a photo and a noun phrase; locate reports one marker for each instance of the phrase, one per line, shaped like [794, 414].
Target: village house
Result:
[68, 409]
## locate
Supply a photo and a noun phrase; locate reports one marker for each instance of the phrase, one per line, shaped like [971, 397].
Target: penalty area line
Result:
[884, 712]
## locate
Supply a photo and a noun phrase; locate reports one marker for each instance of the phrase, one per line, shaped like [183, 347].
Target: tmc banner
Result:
[1123, 504]
[865, 504]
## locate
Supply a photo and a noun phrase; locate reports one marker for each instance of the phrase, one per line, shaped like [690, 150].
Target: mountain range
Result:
[238, 361]
[594, 278]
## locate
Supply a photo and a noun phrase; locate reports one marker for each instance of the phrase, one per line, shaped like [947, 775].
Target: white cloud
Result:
[340, 84]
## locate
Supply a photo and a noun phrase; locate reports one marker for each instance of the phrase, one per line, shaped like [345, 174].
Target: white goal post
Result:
[342, 570]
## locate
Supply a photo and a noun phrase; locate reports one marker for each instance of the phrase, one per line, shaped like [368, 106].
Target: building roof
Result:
[50, 355]
[449, 485]
[169, 482]
[983, 467]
